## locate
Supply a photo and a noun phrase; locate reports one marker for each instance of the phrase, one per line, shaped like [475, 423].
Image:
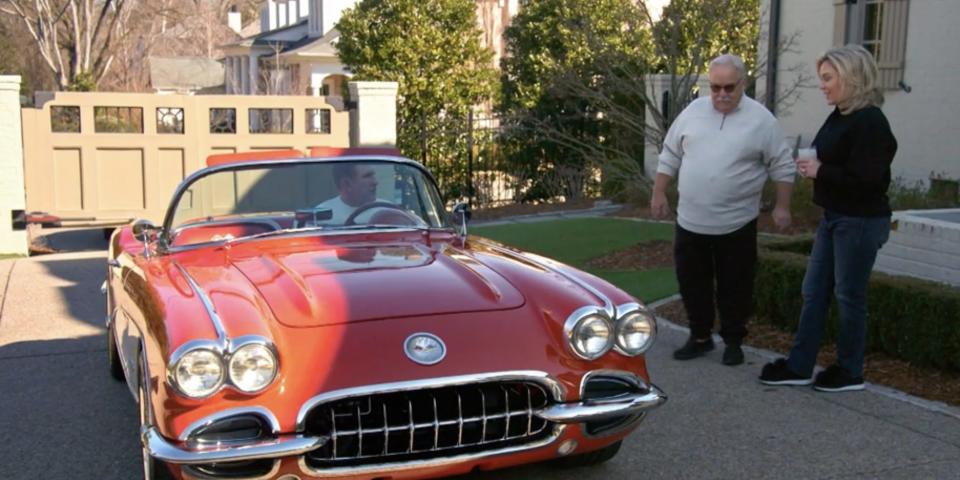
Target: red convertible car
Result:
[327, 317]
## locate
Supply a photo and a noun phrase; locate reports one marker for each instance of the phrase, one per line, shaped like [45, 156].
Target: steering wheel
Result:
[393, 215]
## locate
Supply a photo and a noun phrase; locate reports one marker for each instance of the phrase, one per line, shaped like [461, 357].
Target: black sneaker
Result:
[836, 379]
[693, 349]
[732, 355]
[778, 373]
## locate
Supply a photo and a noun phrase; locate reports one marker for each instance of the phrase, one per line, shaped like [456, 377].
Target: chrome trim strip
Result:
[196, 474]
[623, 311]
[386, 468]
[207, 304]
[210, 419]
[542, 378]
[545, 263]
[599, 409]
[163, 450]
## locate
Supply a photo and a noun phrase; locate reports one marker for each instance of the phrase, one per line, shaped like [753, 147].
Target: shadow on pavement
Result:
[81, 294]
[63, 416]
[63, 240]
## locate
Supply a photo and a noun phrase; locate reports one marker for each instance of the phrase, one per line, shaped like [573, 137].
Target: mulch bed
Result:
[643, 256]
[879, 368]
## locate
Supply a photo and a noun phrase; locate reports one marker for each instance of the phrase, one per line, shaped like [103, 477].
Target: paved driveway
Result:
[63, 417]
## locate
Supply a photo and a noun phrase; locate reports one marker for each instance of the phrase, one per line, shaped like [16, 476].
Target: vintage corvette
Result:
[264, 337]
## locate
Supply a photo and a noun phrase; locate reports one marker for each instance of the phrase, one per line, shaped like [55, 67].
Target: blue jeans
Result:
[844, 251]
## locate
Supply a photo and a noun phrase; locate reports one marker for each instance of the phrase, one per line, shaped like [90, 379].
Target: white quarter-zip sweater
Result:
[723, 161]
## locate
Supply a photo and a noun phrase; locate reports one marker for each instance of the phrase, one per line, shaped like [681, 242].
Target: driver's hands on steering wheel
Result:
[388, 213]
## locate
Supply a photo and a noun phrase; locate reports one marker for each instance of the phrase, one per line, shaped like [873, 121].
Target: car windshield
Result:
[264, 200]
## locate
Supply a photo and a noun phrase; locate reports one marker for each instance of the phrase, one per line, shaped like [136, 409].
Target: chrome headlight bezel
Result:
[574, 327]
[266, 349]
[627, 314]
[224, 351]
[187, 352]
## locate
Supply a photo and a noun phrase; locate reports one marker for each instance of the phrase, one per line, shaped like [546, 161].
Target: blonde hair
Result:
[858, 74]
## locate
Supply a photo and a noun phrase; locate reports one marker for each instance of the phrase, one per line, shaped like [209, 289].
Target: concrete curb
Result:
[768, 355]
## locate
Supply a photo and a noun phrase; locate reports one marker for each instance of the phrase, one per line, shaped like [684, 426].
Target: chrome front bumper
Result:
[600, 409]
[298, 444]
[291, 445]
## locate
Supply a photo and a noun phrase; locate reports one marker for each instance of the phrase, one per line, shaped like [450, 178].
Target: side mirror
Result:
[144, 230]
[461, 215]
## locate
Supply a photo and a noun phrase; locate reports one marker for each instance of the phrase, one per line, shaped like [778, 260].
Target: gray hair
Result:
[731, 61]
[858, 74]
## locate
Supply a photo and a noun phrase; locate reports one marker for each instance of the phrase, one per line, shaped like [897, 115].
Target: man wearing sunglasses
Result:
[722, 149]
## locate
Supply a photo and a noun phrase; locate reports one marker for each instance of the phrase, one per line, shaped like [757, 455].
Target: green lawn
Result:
[575, 241]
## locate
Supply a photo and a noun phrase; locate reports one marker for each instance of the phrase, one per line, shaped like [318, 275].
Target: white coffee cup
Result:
[807, 153]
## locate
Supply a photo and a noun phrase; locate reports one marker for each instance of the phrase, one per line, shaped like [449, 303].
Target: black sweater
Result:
[856, 151]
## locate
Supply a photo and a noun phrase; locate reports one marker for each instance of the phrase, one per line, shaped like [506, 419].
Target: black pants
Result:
[729, 261]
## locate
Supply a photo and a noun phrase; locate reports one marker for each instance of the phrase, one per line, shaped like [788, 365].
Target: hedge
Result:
[911, 319]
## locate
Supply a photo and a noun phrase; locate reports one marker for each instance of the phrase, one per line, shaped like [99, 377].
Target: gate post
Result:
[12, 196]
[374, 122]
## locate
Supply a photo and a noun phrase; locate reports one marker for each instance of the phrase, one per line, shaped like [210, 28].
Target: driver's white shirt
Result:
[339, 208]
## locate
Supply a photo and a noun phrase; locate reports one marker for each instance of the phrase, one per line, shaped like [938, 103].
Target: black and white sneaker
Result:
[778, 373]
[836, 379]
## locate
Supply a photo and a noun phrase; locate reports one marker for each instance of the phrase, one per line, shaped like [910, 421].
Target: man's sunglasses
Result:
[729, 88]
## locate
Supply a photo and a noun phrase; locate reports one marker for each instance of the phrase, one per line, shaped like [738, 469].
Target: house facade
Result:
[915, 42]
[295, 51]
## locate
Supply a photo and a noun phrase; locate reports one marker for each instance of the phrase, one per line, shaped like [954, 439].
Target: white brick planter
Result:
[924, 244]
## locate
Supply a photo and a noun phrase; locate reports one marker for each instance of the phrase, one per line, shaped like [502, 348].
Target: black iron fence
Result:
[465, 156]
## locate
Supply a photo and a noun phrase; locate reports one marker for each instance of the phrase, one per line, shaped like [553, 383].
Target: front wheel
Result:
[595, 457]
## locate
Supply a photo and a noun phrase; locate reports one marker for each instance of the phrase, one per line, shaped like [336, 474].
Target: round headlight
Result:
[252, 367]
[199, 373]
[592, 336]
[635, 332]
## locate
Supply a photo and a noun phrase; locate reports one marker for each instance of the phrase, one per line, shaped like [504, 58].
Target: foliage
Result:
[82, 82]
[912, 319]
[432, 48]
[692, 32]
[555, 131]
[75, 38]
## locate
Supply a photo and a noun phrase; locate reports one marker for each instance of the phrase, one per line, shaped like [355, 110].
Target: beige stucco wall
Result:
[11, 166]
[924, 120]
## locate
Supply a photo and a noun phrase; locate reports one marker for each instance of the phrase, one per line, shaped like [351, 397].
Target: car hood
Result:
[341, 284]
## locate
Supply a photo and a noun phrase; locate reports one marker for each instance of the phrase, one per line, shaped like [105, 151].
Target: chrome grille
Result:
[427, 423]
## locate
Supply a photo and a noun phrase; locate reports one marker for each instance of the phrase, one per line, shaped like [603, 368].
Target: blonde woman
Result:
[850, 174]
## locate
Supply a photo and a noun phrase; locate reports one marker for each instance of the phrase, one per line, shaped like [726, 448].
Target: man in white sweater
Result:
[723, 149]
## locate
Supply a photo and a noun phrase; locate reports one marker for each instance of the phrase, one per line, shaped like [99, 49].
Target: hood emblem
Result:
[424, 348]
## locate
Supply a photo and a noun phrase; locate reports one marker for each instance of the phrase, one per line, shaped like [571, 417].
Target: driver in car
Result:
[357, 186]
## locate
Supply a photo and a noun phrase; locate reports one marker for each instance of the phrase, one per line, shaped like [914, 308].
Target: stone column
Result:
[12, 196]
[254, 75]
[373, 123]
[656, 85]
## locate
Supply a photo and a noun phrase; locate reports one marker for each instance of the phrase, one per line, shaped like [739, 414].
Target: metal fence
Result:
[466, 158]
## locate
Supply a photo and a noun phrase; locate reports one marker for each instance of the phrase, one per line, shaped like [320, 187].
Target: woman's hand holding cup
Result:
[807, 162]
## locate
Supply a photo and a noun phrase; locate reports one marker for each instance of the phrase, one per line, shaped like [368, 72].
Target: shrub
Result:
[912, 319]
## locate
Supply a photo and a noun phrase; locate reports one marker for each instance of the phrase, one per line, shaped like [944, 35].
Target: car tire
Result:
[153, 469]
[113, 356]
[595, 457]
